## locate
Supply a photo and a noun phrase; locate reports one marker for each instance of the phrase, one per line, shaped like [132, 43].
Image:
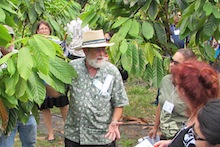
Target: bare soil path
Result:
[129, 130]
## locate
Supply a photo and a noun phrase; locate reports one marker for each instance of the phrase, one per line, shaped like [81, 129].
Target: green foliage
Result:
[143, 25]
[37, 61]
[22, 82]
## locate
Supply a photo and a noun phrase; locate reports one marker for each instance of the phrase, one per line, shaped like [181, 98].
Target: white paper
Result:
[107, 83]
[177, 32]
[97, 84]
[144, 143]
[168, 107]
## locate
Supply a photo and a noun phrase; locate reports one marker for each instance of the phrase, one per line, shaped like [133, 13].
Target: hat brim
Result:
[96, 45]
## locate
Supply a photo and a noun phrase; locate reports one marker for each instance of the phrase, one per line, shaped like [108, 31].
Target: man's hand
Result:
[113, 130]
[152, 133]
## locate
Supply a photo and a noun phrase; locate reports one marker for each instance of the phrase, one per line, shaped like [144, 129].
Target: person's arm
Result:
[153, 131]
[162, 143]
[113, 129]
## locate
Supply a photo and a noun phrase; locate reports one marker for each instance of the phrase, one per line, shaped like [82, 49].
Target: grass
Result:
[139, 98]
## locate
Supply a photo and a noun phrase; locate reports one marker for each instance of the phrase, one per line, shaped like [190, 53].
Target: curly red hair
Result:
[197, 81]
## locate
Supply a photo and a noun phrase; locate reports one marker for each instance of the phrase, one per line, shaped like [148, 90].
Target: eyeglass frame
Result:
[174, 61]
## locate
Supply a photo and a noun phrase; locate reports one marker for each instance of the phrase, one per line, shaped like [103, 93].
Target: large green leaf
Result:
[157, 72]
[216, 12]
[207, 7]
[25, 63]
[209, 51]
[11, 66]
[161, 34]
[4, 36]
[153, 10]
[119, 22]
[123, 31]
[142, 61]
[157, 54]
[134, 30]
[87, 17]
[13, 117]
[10, 83]
[127, 60]
[115, 49]
[5, 58]
[2, 16]
[148, 74]
[44, 44]
[6, 7]
[32, 14]
[53, 82]
[210, 26]
[149, 53]
[135, 60]
[41, 53]
[20, 90]
[62, 70]
[54, 24]
[123, 46]
[9, 101]
[147, 30]
[38, 8]
[37, 88]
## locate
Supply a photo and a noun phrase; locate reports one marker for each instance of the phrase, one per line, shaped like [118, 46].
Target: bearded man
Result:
[97, 97]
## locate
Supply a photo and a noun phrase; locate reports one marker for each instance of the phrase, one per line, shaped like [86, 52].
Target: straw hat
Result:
[94, 39]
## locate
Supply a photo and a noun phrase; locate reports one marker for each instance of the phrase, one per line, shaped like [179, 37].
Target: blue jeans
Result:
[27, 134]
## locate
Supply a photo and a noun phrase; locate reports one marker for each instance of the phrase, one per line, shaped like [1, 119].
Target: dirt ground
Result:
[129, 130]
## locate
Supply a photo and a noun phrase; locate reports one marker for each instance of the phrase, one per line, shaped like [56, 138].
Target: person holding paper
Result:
[97, 97]
[197, 83]
[170, 112]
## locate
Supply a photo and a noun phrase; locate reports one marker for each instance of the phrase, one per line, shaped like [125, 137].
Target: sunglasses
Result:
[174, 61]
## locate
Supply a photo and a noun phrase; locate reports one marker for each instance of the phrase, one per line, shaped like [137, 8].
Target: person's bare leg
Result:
[47, 117]
[63, 111]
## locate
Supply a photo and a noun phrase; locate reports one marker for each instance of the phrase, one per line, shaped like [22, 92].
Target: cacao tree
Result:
[38, 60]
[142, 38]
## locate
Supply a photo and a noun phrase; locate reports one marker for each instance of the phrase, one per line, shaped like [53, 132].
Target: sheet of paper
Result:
[107, 83]
[144, 143]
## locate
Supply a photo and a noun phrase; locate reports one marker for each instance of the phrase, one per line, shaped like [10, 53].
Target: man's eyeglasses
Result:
[98, 50]
[173, 61]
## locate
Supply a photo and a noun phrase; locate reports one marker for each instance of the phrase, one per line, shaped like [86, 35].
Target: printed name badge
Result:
[168, 107]
[97, 84]
[177, 32]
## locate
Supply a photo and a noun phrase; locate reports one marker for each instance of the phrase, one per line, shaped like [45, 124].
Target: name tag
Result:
[97, 84]
[168, 107]
[177, 32]
[107, 83]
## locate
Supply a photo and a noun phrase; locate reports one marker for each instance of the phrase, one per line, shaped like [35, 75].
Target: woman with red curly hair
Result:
[197, 83]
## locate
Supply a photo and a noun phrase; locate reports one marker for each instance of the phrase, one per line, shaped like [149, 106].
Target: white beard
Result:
[95, 62]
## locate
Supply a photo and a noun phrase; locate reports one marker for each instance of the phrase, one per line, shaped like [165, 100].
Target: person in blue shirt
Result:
[175, 32]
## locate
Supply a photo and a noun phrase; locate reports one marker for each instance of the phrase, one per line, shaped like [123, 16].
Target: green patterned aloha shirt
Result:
[91, 107]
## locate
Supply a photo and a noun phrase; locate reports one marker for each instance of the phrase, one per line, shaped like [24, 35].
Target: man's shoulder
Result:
[110, 66]
[76, 61]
